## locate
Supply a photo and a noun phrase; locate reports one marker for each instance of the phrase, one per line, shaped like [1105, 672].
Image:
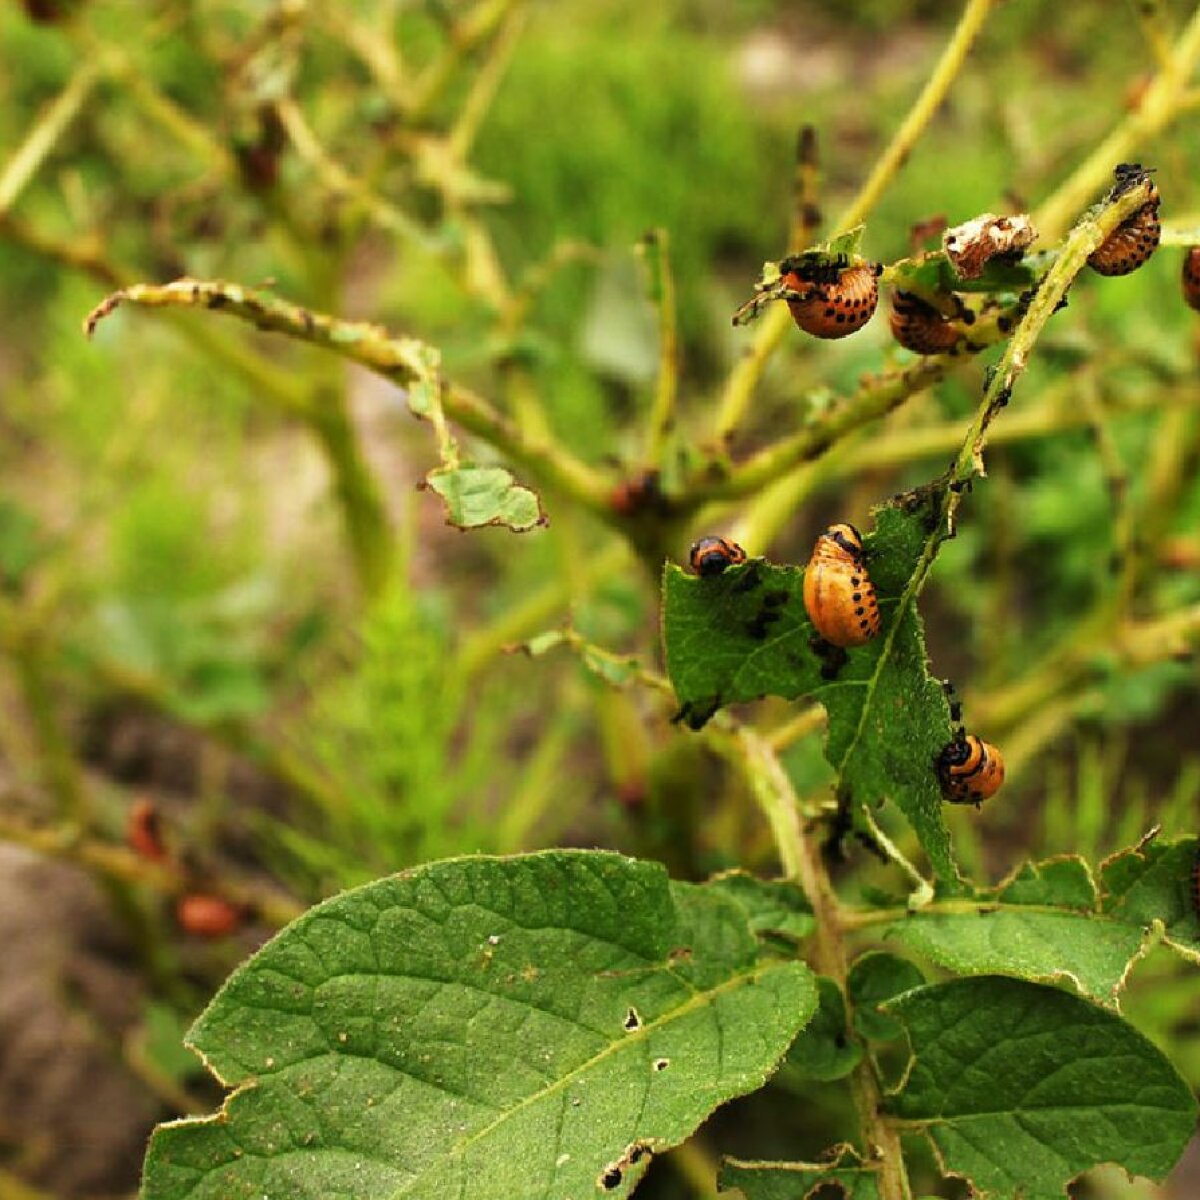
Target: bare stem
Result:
[937, 86]
[405, 361]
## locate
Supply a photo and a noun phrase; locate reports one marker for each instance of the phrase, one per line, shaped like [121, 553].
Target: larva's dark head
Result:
[847, 538]
[955, 753]
[712, 555]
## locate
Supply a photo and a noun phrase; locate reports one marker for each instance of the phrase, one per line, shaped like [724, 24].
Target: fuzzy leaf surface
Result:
[1022, 1087]
[744, 634]
[522, 1027]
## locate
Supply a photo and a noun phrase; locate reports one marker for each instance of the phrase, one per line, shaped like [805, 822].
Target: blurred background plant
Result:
[221, 591]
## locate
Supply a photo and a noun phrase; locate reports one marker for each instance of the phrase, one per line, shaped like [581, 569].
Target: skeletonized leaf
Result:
[526, 1027]
[1022, 1087]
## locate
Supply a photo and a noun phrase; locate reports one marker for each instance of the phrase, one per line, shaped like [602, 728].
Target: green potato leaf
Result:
[1048, 925]
[824, 1050]
[874, 979]
[535, 1026]
[1021, 1087]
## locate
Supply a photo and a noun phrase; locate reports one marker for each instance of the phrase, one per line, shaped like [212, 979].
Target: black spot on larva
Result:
[632, 1021]
[855, 581]
[856, 597]
[611, 1179]
[661, 1064]
[860, 611]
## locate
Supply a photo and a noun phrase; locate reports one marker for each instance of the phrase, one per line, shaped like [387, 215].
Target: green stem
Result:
[362, 507]
[802, 862]
[50, 125]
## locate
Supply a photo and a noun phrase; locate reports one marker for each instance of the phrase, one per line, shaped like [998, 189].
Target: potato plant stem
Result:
[404, 361]
[802, 862]
[369, 532]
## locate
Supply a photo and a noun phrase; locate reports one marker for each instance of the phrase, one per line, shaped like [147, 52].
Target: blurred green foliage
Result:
[173, 532]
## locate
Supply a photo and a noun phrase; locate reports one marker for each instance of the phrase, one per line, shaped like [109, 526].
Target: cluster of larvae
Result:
[841, 603]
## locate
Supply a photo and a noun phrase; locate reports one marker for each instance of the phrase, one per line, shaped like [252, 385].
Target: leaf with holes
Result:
[528, 1027]
[744, 633]
[1021, 1087]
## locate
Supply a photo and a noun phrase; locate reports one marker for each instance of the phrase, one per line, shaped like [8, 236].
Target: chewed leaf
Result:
[529, 1027]
[933, 274]
[745, 634]
[1047, 924]
[1022, 1087]
[843, 1177]
[479, 496]
[1156, 881]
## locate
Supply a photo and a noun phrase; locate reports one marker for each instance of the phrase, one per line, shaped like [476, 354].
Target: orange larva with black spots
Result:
[838, 594]
[919, 327]
[712, 555]
[970, 770]
[832, 300]
[1133, 241]
[1191, 277]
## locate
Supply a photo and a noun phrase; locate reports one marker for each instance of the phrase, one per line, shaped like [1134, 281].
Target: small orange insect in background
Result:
[970, 770]
[834, 299]
[838, 593]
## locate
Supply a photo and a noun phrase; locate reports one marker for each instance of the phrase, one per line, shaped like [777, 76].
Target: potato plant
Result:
[552, 1022]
